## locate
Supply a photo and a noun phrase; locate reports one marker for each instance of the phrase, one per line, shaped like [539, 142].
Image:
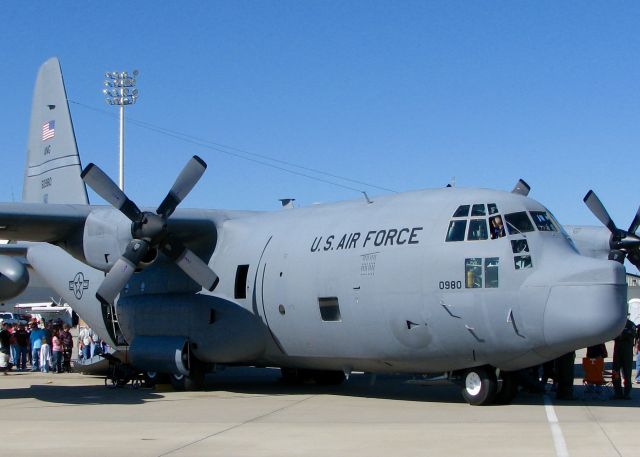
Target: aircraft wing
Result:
[41, 221]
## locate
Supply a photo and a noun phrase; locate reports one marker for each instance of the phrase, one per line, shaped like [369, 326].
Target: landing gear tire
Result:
[151, 378]
[177, 381]
[508, 389]
[480, 386]
[193, 381]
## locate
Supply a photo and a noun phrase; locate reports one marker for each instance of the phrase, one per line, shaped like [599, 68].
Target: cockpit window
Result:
[462, 211]
[518, 246]
[497, 227]
[477, 229]
[478, 210]
[518, 223]
[522, 261]
[493, 208]
[543, 221]
[457, 230]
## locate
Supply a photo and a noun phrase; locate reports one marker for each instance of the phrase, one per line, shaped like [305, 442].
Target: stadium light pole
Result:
[121, 91]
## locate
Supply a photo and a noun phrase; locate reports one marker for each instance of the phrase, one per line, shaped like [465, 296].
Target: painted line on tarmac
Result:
[556, 431]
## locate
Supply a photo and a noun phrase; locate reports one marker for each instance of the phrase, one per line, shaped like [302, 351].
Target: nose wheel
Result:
[480, 385]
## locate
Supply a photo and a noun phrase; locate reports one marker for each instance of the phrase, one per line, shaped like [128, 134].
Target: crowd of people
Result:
[43, 346]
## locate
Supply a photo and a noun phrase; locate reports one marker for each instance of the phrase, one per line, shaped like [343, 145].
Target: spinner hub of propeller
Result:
[151, 227]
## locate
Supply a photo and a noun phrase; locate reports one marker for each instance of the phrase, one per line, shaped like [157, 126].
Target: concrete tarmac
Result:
[248, 412]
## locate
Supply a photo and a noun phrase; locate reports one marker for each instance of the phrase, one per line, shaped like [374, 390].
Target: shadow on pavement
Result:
[266, 381]
[95, 394]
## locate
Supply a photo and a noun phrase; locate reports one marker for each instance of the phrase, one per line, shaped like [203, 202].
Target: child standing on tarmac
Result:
[45, 356]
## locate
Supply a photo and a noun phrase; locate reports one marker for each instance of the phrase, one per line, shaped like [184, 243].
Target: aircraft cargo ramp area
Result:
[248, 412]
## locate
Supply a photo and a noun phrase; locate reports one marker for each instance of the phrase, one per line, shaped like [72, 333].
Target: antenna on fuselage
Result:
[521, 188]
[369, 201]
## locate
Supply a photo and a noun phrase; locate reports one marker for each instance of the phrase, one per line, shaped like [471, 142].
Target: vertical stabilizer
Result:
[52, 174]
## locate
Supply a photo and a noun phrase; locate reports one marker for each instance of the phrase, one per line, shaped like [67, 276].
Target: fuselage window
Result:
[522, 261]
[462, 211]
[518, 223]
[477, 229]
[491, 271]
[497, 227]
[457, 230]
[518, 246]
[478, 210]
[473, 273]
[493, 208]
[543, 221]
[329, 309]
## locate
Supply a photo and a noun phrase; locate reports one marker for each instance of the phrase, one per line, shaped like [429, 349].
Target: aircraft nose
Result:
[586, 306]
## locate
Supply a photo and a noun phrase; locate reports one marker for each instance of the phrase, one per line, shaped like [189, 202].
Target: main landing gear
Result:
[193, 381]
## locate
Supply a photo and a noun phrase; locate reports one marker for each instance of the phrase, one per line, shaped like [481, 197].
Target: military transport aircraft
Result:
[472, 283]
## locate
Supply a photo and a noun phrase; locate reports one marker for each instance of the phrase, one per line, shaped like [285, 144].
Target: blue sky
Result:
[400, 94]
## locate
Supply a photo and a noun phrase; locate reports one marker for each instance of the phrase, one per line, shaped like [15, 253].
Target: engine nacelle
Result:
[106, 234]
[14, 277]
[162, 354]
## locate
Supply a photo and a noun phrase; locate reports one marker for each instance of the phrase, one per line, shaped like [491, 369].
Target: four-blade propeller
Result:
[623, 243]
[149, 230]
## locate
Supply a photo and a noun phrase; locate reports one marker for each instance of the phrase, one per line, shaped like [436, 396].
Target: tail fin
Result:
[52, 174]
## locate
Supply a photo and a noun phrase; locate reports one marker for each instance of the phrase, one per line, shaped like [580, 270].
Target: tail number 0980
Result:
[448, 285]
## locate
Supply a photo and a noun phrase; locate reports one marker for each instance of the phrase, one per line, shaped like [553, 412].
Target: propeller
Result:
[149, 230]
[623, 243]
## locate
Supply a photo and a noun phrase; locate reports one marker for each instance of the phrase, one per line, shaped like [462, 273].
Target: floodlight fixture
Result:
[121, 93]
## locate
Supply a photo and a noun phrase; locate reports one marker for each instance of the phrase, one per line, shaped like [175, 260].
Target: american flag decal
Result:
[48, 130]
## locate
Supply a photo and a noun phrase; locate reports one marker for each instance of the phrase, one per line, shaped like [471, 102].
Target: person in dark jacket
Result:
[5, 342]
[22, 339]
[67, 348]
[623, 361]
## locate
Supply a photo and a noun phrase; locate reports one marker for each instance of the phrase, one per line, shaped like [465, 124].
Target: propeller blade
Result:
[100, 182]
[186, 180]
[599, 211]
[635, 223]
[634, 258]
[122, 271]
[191, 264]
